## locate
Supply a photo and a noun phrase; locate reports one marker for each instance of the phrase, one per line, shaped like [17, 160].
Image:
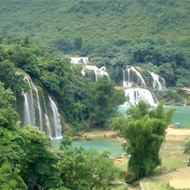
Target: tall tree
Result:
[105, 100]
[144, 131]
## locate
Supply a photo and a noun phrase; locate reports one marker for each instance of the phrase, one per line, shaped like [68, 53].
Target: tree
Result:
[64, 44]
[144, 131]
[39, 160]
[105, 100]
[10, 179]
[187, 148]
[78, 43]
[85, 169]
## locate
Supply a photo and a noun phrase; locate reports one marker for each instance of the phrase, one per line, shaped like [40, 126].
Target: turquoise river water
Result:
[98, 144]
[181, 115]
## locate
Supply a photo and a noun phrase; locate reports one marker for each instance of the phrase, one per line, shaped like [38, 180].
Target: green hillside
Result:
[97, 20]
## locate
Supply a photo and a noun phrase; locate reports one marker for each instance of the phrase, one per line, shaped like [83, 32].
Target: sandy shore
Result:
[172, 134]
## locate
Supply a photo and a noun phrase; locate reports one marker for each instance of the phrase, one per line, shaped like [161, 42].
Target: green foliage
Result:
[144, 131]
[187, 148]
[28, 160]
[64, 44]
[65, 142]
[170, 95]
[78, 43]
[105, 102]
[9, 178]
[130, 20]
[24, 58]
[86, 169]
[38, 162]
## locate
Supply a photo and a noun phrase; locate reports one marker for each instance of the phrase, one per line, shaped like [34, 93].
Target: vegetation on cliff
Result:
[28, 160]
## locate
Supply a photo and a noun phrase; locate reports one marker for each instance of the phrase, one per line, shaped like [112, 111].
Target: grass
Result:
[156, 185]
[119, 187]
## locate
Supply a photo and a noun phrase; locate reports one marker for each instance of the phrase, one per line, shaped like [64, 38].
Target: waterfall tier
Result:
[137, 94]
[158, 82]
[132, 77]
[94, 72]
[79, 60]
[40, 111]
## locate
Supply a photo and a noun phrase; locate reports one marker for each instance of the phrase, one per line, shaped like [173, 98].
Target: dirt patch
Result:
[177, 134]
[180, 179]
[99, 133]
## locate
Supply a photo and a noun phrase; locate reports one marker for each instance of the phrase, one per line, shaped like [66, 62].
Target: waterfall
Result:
[79, 60]
[36, 112]
[38, 105]
[137, 94]
[49, 133]
[156, 82]
[139, 76]
[56, 119]
[130, 78]
[99, 73]
[29, 109]
[30, 103]
[127, 83]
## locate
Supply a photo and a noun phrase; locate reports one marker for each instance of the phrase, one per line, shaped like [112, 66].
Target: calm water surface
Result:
[98, 144]
[182, 115]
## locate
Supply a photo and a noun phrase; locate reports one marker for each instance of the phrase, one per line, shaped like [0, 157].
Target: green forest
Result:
[38, 82]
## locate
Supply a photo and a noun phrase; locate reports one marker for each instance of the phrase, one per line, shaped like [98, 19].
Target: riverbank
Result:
[172, 159]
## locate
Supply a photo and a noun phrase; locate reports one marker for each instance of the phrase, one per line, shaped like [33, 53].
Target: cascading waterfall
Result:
[98, 72]
[49, 133]
[56, 119]
[134, 78]
[29, 109]
[139, 76]
[79, 60]
[137, 94]
[33, 109]
[38, 105]
[129, 81]
[156, 82]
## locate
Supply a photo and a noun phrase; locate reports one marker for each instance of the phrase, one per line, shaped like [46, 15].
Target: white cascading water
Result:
[29, 105]
[56, 119]
[128, 82]
[79, 60]
[137, 94]
[49, 133]
[38, 105]
[29, 109]
[156, 82]
[139, 76]
[98, 72]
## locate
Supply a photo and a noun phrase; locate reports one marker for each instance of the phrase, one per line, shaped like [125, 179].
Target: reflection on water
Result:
[182, 114]
[98, 144]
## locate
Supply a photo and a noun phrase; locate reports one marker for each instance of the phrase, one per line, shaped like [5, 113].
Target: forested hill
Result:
[165, 21]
